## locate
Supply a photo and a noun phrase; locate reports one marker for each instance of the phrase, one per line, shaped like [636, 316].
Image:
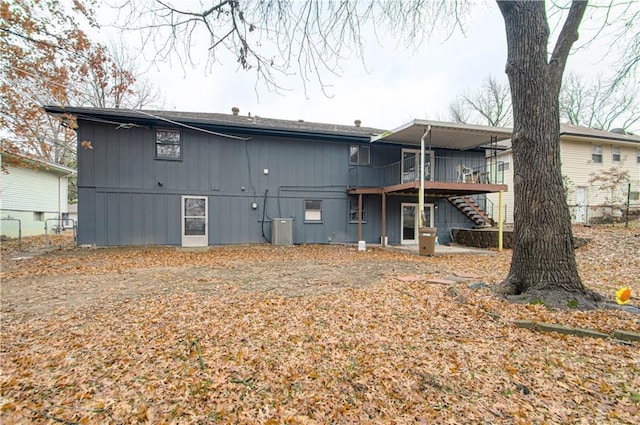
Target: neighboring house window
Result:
[596, 153]
[353, 211]
[638, 155]
[38, 216]
[359, 155]
[168, 144]
[615, 153]
[503, 166]
[312, 210]
[634, 196]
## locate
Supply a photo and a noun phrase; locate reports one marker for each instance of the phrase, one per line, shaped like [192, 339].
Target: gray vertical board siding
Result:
[148, 213]
[86, 164]
[125, 214]
[121, 203]
[87, 216]
[445, 218]
[136, 228]
[372, 227]
[449, 217]
[100, 217]
[137, 167]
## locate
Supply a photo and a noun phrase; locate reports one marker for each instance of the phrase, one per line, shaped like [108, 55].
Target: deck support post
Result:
[384, 220]
[500, 220]
[359, 217]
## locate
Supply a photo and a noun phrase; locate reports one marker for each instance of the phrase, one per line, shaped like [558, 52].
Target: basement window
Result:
[353, 211]
[38, 216]
[596, 154]
[359, 155]
[168, 145]
[312, 211]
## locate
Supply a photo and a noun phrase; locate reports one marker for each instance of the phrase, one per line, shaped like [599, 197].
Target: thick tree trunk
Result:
[543, 265]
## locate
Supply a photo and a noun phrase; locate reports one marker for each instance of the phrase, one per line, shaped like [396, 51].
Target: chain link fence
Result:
[615, 203]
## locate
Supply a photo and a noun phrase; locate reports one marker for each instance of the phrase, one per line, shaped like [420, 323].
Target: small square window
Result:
[596, 154]
[634, 196]
[353, 211]
[38, 216]
[615, 153]
[312, 210]
[359, 155]
[168, 145]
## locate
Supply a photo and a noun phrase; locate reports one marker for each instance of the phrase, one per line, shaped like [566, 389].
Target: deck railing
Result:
[443, 169]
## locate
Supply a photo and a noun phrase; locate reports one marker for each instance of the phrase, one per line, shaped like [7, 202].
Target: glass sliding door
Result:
[411, 165]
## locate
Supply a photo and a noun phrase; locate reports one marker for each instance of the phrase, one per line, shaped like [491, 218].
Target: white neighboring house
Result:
[584, 152]
[32, 191]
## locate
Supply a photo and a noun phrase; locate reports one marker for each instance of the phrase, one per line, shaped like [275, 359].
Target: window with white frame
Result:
[359, 155]
[596, 154]
[168, 145]
[353, 211]
[615, 153]
[503, 166]
[638, 155]
[312, 210]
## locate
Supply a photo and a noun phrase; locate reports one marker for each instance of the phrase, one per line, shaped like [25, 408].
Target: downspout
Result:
[421, 194]
[59, 205]
[60, 223]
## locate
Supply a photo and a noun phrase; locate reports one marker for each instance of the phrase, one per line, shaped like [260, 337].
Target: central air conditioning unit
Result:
[282, 231]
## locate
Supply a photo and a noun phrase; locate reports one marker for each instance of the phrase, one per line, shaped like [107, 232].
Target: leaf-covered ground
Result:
[307, 334]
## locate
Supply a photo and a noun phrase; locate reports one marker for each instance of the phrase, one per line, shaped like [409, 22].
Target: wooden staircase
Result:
[471, 209]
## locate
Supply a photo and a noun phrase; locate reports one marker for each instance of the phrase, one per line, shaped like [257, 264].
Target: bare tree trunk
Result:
[543, 267]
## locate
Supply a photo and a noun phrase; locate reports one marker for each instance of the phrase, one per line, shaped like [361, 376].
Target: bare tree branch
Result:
[566, 39]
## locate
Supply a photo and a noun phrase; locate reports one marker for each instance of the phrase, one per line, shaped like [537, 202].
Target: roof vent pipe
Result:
[357, 123]
[235, 110]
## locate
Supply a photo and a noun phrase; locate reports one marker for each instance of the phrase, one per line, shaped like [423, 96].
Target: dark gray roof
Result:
[228, 121]
[587, 132]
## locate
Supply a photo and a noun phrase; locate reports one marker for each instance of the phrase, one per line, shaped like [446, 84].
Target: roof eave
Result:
[613, 138]
[253, 128]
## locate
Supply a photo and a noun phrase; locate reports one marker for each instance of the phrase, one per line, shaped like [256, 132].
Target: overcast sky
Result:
[395, 87]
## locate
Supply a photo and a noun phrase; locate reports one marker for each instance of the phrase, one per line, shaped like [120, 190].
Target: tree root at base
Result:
[554, 298]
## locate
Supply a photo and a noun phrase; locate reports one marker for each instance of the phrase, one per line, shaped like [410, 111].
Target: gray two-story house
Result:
[190, 179]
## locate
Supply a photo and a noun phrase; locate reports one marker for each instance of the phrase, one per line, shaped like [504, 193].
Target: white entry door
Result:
[195, 218]
[409, 224]
[581, 205]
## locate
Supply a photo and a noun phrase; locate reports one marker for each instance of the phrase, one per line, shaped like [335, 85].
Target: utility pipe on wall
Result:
[421, 194]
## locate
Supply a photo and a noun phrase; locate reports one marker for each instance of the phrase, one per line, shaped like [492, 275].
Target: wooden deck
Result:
[433, 188]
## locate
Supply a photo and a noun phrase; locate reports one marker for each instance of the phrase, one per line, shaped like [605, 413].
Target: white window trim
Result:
[613, 154]
[312, 215]
[600, 154]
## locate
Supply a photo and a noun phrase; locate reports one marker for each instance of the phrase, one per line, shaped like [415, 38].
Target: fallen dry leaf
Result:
[305, 334]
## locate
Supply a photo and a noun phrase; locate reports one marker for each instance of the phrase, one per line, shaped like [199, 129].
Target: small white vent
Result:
[282, 231]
